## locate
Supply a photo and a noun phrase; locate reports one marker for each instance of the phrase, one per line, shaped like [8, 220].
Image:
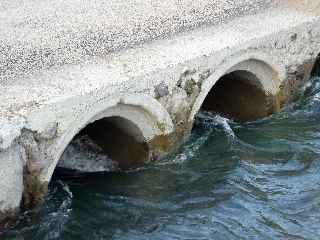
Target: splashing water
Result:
[85, 155]
[257, 180]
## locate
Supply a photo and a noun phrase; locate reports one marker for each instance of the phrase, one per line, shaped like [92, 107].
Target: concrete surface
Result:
[62, 71]
[37, 34]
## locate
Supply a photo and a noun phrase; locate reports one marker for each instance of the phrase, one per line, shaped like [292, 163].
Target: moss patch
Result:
[34, 190]
[8, 218]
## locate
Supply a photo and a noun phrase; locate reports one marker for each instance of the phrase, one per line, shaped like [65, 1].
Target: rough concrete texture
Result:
[37, 34]
[11, 180]
[157, 86]
[9, 131]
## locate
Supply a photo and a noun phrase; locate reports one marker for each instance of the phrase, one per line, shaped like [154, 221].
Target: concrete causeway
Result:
[124, 80]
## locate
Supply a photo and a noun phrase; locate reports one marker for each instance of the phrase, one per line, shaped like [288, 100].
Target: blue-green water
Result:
[258, 180]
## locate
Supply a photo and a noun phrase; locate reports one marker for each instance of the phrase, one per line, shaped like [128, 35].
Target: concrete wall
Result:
[151, 92]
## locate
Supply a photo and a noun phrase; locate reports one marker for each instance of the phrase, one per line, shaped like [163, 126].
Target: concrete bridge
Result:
[123, 80]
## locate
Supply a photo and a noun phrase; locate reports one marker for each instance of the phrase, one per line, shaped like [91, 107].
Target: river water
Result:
[257, 180]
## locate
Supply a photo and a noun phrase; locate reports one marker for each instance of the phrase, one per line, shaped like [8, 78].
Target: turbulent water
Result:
[258, 180]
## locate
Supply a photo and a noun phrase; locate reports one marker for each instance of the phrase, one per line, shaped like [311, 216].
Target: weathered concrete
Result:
[53, 93]
[38, 34]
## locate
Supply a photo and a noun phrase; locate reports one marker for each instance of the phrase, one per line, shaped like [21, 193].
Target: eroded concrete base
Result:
[11, 183]
[34, 190]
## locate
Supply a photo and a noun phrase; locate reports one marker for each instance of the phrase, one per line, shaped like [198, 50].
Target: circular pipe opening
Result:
[316, 67]
[109, 144]
[238, 95]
